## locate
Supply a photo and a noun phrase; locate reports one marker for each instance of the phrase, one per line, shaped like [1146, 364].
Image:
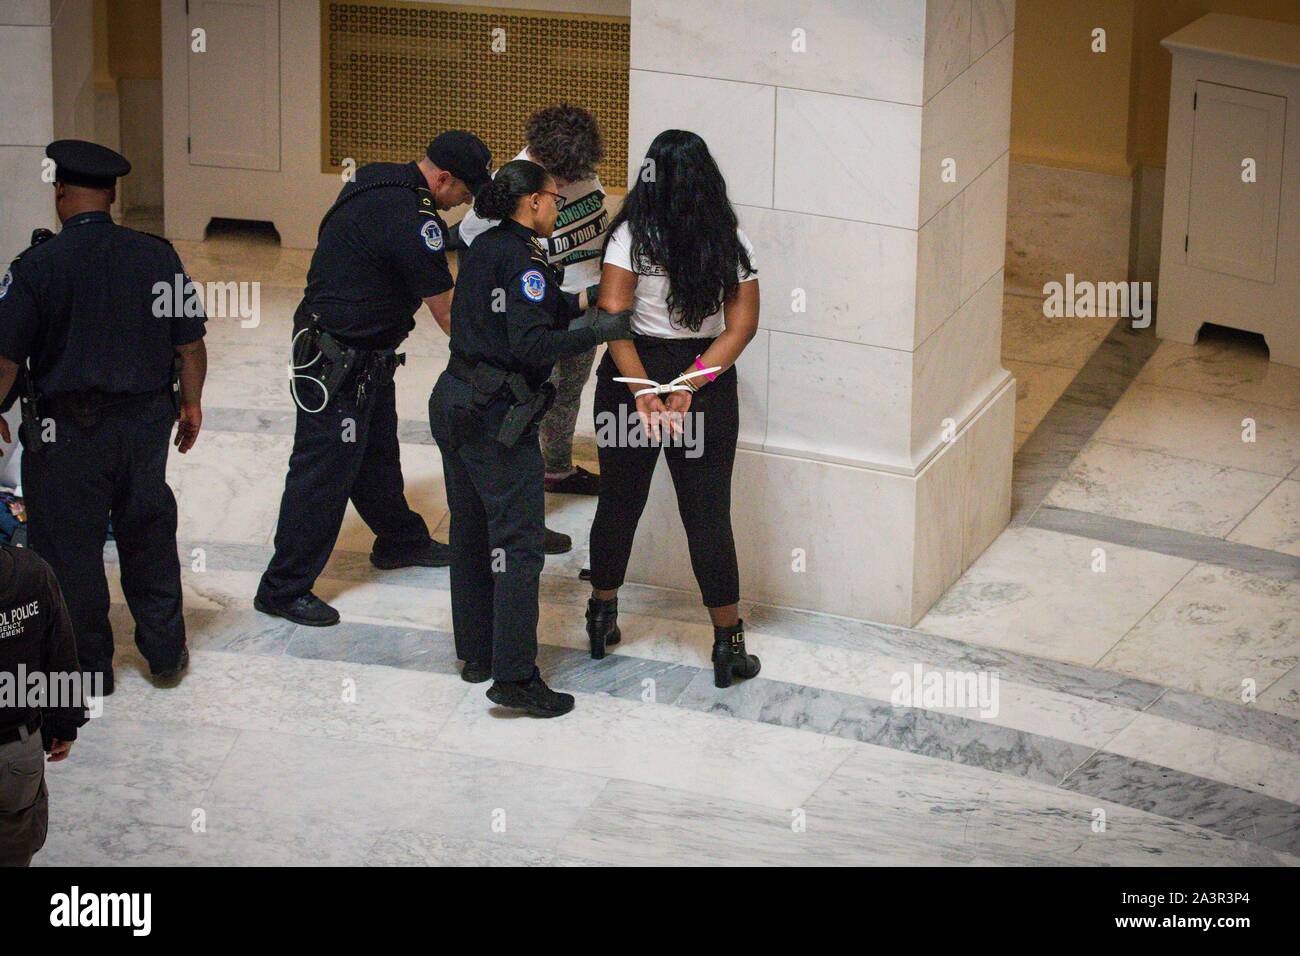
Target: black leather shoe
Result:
[556, 543]
[729, 657]
[532, 696]
[305, 609]
[475, 673]
[436, 555]
[581, 482]
[602, 625]
[171, 676]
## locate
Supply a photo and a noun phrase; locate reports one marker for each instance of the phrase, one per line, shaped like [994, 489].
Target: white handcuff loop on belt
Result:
[676, 385]
[294, 376]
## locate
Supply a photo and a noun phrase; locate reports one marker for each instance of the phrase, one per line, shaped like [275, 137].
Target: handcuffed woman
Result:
[676, 257]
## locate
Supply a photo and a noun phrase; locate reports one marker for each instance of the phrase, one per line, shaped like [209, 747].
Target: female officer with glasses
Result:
[510, 324]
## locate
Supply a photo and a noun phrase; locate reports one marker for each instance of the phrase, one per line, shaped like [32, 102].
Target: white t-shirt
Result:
[579, 231]
[650, 304]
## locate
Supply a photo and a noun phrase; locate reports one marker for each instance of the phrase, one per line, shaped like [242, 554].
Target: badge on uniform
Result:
[432, 235]
[534, 285]
[5, 282]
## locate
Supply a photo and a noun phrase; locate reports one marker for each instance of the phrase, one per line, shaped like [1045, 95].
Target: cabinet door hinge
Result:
[188, 146]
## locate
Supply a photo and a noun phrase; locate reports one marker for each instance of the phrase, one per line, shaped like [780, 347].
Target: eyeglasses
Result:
[559, 200]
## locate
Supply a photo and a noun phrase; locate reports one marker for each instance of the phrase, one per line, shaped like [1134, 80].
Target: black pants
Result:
[347, 450]
[702, 481]
[497, 503]
[113, 468]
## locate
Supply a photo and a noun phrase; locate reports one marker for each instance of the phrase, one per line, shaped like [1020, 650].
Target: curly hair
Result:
[566, 140]
[681, 220]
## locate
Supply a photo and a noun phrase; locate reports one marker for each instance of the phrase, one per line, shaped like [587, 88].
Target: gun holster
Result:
[33, 441]
[523, 414]
[527, 404]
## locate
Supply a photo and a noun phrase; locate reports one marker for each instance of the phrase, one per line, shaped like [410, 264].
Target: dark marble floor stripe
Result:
[1230, 810]
[1229, 718]
[1178, 544]
[895, 643]
[1077, 414]
[944, 736]
[1225, 809]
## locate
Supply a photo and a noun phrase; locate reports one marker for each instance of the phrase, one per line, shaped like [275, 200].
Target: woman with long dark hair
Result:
[509, 325]
[676, 257]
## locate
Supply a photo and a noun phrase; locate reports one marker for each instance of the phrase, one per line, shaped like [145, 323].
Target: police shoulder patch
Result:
[5, 282]
[431, 232]
[533, 284]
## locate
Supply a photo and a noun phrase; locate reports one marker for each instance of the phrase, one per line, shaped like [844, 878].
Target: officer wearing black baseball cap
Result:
[464, 156]
[381, 251]
[80, 317]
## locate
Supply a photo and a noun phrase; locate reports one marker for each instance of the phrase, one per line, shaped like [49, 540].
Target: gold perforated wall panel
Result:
[395, 74]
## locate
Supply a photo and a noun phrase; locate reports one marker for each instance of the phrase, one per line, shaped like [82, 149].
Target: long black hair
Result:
[682, 222]
[516, 179]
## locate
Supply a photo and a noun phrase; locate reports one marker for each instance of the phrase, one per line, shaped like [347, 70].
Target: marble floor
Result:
[1141, 616]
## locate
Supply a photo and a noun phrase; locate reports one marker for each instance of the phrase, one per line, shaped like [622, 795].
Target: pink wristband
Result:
[700, 365]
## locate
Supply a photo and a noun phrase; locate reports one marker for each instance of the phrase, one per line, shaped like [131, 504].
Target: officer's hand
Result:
[609, 326]
[4, 433]
[59, 750]
[187, 427]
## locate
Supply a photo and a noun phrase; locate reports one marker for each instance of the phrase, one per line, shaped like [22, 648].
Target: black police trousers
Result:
[496, 497]
[347, 450]
[701, 475]
[93, 472]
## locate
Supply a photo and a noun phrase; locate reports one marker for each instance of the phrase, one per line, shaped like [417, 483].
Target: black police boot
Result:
[305, 609]
[556, 543]
[435, 555]
[475, 673]
[729, 657]
[169, 677]
[531, 696]
[602, 625]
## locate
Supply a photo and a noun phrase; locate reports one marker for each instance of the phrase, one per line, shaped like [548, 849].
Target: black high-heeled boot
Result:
[729, 657]
[602, 625]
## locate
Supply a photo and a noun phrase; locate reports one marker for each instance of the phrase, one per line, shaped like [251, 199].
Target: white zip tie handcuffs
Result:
[676, 385]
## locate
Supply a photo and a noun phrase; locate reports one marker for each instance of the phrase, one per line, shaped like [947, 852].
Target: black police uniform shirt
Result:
[96, 308]
[379, 255]
[509, 310]
[36, 637]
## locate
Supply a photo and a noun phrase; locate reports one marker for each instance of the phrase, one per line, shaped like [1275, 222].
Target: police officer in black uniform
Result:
[91, 318]
[380, 252]
[510, 324]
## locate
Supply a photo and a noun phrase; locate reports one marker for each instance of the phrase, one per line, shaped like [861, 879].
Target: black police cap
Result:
[463, 155]
[79, 163]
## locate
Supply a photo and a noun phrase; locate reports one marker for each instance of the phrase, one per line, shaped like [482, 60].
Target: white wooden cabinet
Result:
[1230, 251]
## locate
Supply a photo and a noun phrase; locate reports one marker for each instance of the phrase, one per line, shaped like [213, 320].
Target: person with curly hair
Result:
[565, 141]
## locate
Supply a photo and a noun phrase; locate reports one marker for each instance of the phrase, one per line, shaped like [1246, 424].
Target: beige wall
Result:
[135, 39]
[1104, 112]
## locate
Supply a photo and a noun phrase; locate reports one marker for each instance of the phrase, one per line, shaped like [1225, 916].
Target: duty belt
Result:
[527, 404]
[342, 364]
[83, 407]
